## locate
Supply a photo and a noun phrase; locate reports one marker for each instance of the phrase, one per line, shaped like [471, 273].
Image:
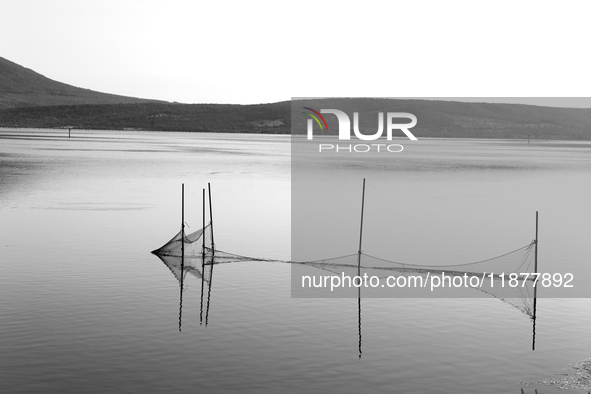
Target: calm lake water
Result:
[85, 307]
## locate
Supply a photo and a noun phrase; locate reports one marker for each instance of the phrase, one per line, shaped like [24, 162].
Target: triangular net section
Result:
[191, 254]
[506, 277]
[192, 244]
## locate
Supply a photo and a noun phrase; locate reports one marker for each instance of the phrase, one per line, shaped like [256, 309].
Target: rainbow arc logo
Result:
[315, 117]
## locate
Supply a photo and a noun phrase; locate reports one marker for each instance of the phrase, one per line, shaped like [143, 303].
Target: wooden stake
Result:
[359, 268]
[183, 229]
[203, 233]
[211, 220]
[536, 260]
[361, 229]
[533, 346]
[182, 253]
[202, 260]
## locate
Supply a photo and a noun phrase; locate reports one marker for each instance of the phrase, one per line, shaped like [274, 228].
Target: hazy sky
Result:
[265, 51]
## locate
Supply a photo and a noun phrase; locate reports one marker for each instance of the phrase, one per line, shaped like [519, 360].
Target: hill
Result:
[28, 99]
[454, 119]
[441, 119]
[22, 87]
[258, 118]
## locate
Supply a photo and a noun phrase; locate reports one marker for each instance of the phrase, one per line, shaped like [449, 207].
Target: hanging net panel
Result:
[192, 244]
[506, 277]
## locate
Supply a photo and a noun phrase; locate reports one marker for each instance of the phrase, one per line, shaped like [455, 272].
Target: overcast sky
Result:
[264, 51]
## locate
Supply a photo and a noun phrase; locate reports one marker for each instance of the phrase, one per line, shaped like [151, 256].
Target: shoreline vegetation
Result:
[225, 118]
[436, 119]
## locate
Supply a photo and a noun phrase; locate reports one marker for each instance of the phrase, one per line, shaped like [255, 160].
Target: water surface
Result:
[84, 306]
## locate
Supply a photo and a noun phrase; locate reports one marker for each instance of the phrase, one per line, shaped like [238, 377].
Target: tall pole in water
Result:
[183, 226]
[359, 268]
[182, 253]
[211, 220]
[202, 259]
[536, 256]
[361, 227]
[533, 346]
[203, 231]
[212, 257]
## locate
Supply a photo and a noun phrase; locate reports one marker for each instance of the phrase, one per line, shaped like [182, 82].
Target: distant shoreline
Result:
[436, 119]
[64, 132]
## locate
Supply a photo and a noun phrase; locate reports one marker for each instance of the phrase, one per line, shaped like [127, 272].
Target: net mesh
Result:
[506, 277]
[196, 266]
[193, 244]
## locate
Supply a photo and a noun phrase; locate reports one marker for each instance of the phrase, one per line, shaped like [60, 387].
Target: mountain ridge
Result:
[23, 87]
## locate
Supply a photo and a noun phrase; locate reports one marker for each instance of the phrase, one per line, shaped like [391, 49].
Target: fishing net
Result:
[506, 277]
[191, 245]
[195, 266]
